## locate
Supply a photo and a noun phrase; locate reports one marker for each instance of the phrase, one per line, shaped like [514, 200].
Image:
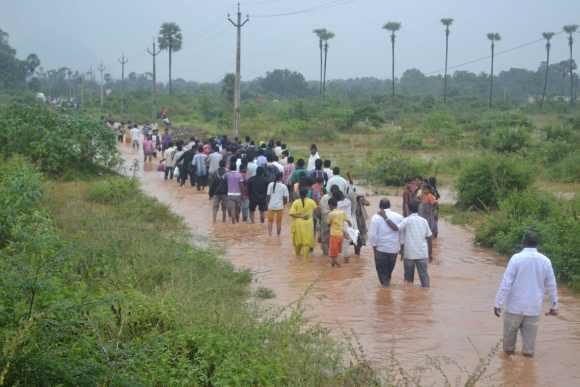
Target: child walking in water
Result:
[336, 220]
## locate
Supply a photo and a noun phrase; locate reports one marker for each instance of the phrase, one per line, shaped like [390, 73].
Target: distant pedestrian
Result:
[528, 276]
[278, 197]
[218, 191]
[302, 211]
[312, 158]
[336, 221]
[135, 137]
[148, 149]
[385, 241]
[235, 181]
[200, 169]
[258, 194]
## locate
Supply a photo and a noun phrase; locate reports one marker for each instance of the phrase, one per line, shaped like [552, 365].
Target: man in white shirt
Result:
[278, 197]
[384, 239]
[339, 181]
[313, 157]
[527, 277]
[135, 137]
[417, 250]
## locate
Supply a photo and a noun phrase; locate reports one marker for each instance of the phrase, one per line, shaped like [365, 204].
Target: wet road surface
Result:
[452, 322]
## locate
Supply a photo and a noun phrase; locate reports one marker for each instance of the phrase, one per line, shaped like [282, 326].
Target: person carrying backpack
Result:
[218, 191]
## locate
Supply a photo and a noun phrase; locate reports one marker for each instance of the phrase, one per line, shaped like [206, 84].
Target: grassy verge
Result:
[125, 300]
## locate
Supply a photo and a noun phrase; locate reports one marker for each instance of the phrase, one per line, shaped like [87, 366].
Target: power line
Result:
[487, 57]
[328, 5]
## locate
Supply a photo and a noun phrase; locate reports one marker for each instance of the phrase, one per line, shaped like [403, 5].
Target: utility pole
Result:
[101, 69]
[238, 24]
[90, 77]
[82, 91]
[154, 52]
[123, 61]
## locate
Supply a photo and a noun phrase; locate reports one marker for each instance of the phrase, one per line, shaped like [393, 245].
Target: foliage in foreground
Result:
[59, 144]
[556, 221]
[104, 290]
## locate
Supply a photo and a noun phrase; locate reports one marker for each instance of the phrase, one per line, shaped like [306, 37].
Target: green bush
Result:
[57, 143]
[113, 190]
[567, 169]
[392, 168]
[20, 191]
[484, 181]
[411, 141]
[555, 221]
[443, 126]
[507, 139]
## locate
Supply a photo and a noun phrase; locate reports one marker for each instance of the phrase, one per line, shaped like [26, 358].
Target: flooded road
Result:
[452, 322]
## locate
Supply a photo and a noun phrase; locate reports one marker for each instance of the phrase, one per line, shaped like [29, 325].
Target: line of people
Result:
[251, 183]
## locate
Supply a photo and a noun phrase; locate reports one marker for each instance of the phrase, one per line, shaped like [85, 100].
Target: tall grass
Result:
[134, 304]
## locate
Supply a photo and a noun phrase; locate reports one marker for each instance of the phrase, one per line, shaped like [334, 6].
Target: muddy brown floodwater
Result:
[451, 322]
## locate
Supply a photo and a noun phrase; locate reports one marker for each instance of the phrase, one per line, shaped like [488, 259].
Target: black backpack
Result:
[219, 185]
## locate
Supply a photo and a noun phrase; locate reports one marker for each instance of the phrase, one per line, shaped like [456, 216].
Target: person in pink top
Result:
[288, 170]
[148, 148]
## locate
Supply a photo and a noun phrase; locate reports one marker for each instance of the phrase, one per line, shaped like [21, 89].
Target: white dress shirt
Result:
[312, 162]
[381, 236]
[528, 275]
[339, 181]
[414, 233]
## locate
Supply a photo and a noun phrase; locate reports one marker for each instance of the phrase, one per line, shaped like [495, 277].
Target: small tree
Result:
[319, 32]
[493, 37]
[571, 30]
[548, 36]
[447, 23]
[393, 27]
[170, 39]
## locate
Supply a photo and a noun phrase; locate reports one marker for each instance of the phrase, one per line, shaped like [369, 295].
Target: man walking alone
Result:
[527, 277]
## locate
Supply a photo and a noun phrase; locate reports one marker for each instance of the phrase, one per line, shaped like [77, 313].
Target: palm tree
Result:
[493, 37]
[170, 39]
[447, 23]
[319, 33]
[393, 27]
[548, 36]
[326, 36]
[571, 30]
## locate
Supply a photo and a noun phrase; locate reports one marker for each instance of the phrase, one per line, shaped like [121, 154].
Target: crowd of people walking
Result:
[243, 177]
[249, 181]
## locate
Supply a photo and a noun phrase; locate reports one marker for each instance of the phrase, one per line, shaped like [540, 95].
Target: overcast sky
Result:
[81, 33]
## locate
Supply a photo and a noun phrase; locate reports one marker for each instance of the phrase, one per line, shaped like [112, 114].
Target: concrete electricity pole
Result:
[101, 69]
[238, 24]
[123, 61]
[154, 52]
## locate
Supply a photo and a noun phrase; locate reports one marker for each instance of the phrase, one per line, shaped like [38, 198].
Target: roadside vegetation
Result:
[101, 287]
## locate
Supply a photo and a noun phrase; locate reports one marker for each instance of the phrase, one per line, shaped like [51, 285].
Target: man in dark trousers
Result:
[187, 168]
[385, 241]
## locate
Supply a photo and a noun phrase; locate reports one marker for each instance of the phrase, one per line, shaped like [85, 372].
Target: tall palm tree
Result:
[326, 36]
[319, 33]
[548, 36]
[571, 30]
[170, 39]
[493, 37]
[447, 23]
[393, 27]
